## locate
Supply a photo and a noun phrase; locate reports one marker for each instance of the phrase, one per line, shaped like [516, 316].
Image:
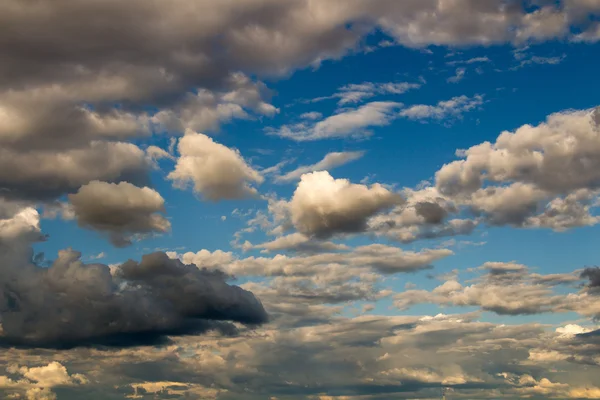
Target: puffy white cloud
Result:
[23, 224]
[558, 155]
[53, 374]
[120, 210]
[216, 171]
[323, 206]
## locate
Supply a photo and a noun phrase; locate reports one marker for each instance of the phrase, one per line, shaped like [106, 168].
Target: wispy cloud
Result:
[330, 161]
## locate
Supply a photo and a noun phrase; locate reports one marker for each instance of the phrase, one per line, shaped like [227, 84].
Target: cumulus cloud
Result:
[47, 174]
[556, 156]
[215, 171]
[537, 176]
[37, 382]
[330, 161]
[323, 206]
[69, 113]
[206, 110]
[119, 210]
[425, 214]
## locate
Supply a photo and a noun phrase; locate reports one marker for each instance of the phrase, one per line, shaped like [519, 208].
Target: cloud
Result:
[119, 210]
[47, 174]
[538, 155]
[352, 123]
[53, 374]
[205, 110]
[454, 107]
[357, 92]
[330, 161]
[460, 74]
[425, 214]
[36, 382]
[593, 274]
[474, 60]
[156, 153]
[71, 304]
[216, 171]
[323, 206]
[23, 225]
[299, 243]
[506, 288]
[536, 176]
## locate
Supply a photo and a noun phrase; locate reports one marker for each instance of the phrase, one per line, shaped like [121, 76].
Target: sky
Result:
[310, 199]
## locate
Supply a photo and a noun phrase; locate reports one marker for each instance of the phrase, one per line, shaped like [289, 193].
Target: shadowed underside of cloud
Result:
[73, 304]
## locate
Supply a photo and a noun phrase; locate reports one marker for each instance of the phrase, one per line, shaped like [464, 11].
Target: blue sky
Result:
[300, 200]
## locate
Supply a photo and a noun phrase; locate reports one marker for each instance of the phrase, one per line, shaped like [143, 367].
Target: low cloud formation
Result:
[330, 161]
[36, 382]
[70, 303]
[45, 174]
[508, 288]
[298, 242]
[323, 206]
[119, 210]
[207, 110]
[537, 176]
[425, 214]
[215, 171]
[557, 156]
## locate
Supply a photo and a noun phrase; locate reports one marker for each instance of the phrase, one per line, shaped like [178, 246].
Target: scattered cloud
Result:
[452, 108]
[330, 161]
[215, 171]
[119, 210]
[349, 123]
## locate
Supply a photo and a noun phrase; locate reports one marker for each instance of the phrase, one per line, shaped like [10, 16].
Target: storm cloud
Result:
[72, 303]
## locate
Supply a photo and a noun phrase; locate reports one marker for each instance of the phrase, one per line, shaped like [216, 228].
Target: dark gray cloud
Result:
[593, 274]
[71, 303]
[432, 213]
[47, 174]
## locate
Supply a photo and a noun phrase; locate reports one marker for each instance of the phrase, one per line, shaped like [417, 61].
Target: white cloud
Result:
[353, 123]
[330, 161]
[459, 75]
[454, 107]
[323, 206]
[216, 171]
